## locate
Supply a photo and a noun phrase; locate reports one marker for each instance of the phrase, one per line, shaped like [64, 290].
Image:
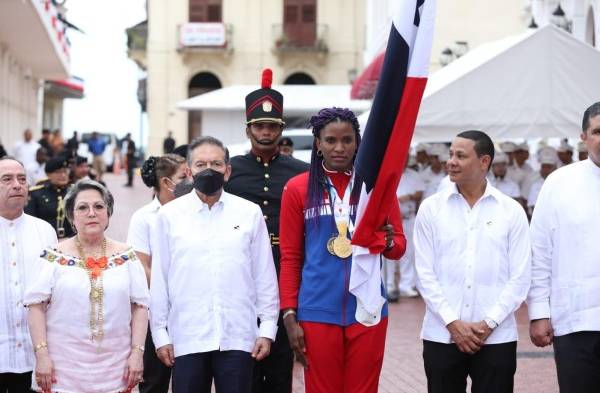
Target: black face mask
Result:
[209, 181]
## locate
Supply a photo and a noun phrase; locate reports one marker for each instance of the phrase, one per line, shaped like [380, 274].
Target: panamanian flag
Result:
[386, 143]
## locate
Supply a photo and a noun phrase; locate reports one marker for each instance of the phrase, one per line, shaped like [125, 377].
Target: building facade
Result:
[460, 25]
[194, 46]
[33, 48]
[581, 17]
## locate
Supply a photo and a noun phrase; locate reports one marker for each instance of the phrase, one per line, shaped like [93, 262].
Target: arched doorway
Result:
[590, 28]
[201, 83]
[299, 78]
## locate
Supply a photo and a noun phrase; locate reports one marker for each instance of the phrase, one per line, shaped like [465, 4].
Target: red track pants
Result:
[343, 359]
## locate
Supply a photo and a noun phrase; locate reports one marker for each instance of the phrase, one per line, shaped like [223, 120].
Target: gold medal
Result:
[330, 245]
[342, 247]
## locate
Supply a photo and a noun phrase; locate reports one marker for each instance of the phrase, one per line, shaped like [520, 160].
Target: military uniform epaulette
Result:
[36, 187]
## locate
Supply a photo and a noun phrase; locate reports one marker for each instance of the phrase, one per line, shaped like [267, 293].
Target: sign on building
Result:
[202, 34]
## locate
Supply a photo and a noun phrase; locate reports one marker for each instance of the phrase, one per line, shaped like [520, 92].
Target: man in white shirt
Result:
[473, 267]
[565, 153]
[212, 276]
[499, 178]
[434, 173]
[509, 149]
[22, 239]
[24, 151]
[409, 194]
[422, 157]
[564, 300]
[548, 162]
[520, 171]
[36, 170]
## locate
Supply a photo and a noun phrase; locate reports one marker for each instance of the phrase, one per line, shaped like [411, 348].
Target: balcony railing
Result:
[282, 43]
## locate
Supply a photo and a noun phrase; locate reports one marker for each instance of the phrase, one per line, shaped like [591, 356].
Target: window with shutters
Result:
[205, 10]
[300, 22]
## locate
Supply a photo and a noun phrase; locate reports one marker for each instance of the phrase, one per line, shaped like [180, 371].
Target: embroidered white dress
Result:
[82, 365]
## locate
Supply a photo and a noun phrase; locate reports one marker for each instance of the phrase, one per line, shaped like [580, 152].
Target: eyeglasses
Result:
[84, 208]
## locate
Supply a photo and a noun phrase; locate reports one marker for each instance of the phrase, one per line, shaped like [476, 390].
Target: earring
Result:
[319, 153]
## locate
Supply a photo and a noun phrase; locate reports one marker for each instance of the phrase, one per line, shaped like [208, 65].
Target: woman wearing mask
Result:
[162, 174]
[316, 225]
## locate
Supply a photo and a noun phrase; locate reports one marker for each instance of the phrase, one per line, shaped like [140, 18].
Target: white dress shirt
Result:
[212, 276]
[410, 183]
[521, 176]
[505, 185]
[140, 225]
[566, 262]
[534, 192]
[35, 172]
[472, 263]
[25, 152]
[21, 243]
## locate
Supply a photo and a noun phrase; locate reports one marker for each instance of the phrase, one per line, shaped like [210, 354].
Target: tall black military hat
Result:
[265, 104]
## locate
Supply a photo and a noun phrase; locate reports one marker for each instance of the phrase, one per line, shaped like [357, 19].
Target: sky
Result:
[100, 57]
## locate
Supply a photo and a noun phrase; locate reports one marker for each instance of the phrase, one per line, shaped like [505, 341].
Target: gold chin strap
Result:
[60, 218]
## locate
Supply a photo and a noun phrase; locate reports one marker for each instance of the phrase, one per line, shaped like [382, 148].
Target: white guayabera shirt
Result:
[21, 243]
[566, 262]
[472, 263]
[212, 276]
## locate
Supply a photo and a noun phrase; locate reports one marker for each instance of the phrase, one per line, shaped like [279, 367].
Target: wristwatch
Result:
[490, 323]
[139, 348]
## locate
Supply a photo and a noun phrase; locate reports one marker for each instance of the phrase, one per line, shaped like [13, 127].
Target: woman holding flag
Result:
[317, 222]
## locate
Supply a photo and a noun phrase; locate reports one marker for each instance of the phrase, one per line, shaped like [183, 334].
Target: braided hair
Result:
[155, 168]
[316, 175]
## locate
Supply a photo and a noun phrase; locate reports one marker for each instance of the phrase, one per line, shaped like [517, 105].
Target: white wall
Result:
[20, 104]
[227, 126]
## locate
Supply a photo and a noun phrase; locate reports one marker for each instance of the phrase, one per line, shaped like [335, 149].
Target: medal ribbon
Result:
[340, 207]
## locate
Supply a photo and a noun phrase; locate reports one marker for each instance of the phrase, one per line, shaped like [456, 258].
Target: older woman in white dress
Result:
[88, 306]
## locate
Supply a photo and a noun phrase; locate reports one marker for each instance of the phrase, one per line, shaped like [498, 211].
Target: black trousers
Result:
[492, 369]
[274, 373]
[231, 371]
[130, 170]
[15, 383]
[577, 357]
[156, 375]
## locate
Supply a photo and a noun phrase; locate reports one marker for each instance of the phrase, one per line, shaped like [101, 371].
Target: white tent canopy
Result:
[297, 99]
[536, 85]
[224, 110]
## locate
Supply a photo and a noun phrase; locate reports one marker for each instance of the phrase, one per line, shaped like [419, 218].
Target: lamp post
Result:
[560, 20]
[446, 57]
[532, 25]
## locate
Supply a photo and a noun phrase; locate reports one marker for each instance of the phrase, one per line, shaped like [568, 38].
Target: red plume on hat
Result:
[267, 78]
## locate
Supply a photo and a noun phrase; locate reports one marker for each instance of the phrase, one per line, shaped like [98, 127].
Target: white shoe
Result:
[410, 292]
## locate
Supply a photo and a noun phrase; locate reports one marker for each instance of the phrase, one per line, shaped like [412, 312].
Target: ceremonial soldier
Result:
[46, 201]
[259, 177]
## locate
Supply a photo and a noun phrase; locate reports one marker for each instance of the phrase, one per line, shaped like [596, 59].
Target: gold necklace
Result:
[94, 268]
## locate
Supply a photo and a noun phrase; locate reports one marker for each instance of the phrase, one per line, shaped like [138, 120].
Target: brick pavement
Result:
[403, 366]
